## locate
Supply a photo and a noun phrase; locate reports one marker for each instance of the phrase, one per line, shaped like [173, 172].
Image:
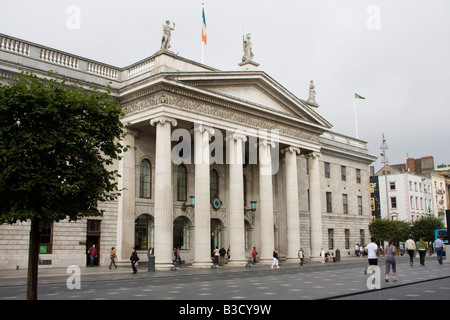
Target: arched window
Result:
[181, 183]
[213, 184]
[144, 229]
[145, 180]
[181, 233]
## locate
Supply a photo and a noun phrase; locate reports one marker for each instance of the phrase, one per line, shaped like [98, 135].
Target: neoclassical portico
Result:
[203, 103]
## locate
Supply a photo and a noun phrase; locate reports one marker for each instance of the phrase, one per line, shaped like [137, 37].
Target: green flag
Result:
[357, 96]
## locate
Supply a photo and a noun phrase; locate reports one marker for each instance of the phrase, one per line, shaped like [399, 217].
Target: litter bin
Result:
[151, 263]
[338, 255]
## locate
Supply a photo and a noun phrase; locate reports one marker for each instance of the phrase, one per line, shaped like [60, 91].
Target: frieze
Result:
[255, 120]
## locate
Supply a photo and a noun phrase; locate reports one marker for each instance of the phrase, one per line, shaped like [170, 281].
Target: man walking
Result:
[92, 252]
[134, 258]
[411, 247]
[439, 248]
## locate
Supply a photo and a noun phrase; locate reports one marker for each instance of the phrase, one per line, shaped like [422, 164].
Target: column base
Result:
[237, 263]
[265, 261]
[315, 259]
[203, 264]
[164, 266]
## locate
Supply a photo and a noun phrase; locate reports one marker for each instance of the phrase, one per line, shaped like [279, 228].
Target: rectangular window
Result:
[360, 207]
[330, 239]
[46, 244]
[391, 185]
[329, 205]
[347, 239]
[393, 203]
[358, 175]
[343, 173]
[344, 204]
[327, 169]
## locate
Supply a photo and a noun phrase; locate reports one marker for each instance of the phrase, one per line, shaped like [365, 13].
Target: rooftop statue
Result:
[248, 54]
[165, 42]
[312, 93]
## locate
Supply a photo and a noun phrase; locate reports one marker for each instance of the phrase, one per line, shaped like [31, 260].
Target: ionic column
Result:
[126, 183]
[266, 202]
[163, 193]
[202, 242]
[236, 202]
[293, 220]
[315, 206]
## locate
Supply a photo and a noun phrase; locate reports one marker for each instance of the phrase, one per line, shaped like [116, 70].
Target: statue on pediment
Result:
[165, 42]
[247, 44]
[312, 93]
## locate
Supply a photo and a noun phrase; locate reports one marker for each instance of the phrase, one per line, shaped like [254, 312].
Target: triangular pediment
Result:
[255, 89]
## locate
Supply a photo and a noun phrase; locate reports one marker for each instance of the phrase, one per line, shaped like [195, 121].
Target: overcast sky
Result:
[395, 53]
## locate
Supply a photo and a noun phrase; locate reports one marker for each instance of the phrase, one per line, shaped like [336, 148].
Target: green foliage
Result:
[56, 143]
[385, 230]
[425, 227]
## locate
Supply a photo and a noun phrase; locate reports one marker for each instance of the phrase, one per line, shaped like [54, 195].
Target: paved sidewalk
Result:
[54, 275]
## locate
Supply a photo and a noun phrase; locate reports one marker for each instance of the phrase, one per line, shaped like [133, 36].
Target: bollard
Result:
[151, 263]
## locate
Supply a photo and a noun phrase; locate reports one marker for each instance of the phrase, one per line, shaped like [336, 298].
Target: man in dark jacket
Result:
[134, 258]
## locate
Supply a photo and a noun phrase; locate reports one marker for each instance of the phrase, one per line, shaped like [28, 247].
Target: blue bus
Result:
[442, 233]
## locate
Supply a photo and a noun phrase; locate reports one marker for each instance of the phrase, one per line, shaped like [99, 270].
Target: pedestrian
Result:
[134, 259]
[390, 261]
[439, 248]
[222, 253]
[372, 251]
[361, 250]
[301, 256]
[254, 254]
[216, 256]
[275, 259]
[357, 250]
[113, 258]
[228, 252]
[322, 255]
[422, 247]
[411, 249]
[177, 255]
[92, 252]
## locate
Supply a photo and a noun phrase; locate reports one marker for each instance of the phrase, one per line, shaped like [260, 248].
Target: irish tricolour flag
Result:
[204, 26]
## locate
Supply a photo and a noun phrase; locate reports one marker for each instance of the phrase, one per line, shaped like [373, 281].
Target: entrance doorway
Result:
[216, 235]
[93, 238]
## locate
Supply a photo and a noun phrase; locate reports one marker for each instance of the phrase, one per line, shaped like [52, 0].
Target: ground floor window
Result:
[144, 232]
[181, 233]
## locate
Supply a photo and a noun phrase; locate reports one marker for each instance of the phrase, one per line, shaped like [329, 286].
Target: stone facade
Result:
[223, 138]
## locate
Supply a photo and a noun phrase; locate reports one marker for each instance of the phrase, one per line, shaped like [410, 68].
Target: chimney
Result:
[411, 165]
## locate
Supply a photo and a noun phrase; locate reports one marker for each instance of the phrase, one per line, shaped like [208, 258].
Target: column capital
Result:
[163, 120]
[202, 128]
[237, 136]
[266, 143]
[291, 149]
[313, 154]
[128, 130]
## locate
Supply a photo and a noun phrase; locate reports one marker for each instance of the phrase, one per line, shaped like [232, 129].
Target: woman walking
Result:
[390, 260]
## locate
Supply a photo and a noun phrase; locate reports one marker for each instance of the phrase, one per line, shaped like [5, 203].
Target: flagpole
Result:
[356, 118]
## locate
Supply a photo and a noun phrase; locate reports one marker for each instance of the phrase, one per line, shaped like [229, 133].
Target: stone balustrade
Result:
[56, 57]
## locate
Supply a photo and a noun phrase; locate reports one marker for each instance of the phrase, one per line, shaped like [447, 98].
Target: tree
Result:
[425, 227]
[56, 143]
[385, 230]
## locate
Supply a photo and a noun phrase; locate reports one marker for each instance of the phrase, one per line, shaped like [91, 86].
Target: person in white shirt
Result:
[372, 250]
[411, 247]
